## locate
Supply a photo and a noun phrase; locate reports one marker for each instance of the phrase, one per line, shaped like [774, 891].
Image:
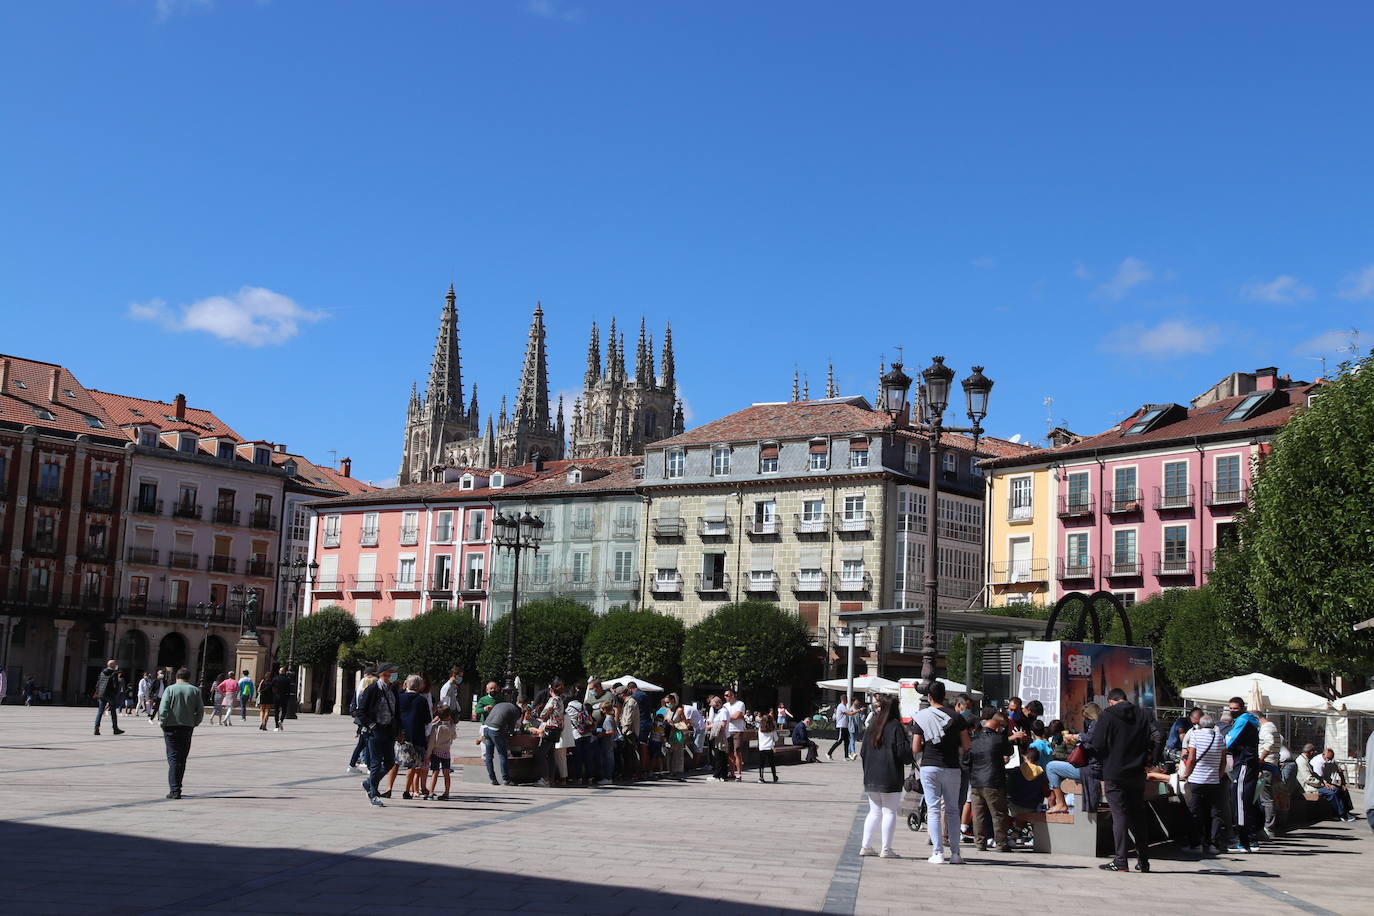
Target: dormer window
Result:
[768, 458]
[42, 413]
[819, 458]
[465, 482]
[19, 384]
[574, 475]
[262, 456]
[1254, 404]
[186, 443]
[289, 467]
[224, 450]
[147, 438]
[720, 460]
[94, 422]
[498, 480]
[639, 472]
[676, 463]
[69, 393]
[1155, 416]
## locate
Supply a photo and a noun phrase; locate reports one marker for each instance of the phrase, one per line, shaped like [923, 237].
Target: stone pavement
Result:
[271, 823]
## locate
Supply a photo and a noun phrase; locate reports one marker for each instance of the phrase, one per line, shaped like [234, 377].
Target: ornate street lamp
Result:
[294, 575]
[516, 533]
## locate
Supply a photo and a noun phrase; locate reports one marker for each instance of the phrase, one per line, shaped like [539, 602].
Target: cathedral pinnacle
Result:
[830, 390]
[643, 368]
[669, 378]
[594, 357]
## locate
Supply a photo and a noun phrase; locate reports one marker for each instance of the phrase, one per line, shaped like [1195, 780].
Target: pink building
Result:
[1144, 506]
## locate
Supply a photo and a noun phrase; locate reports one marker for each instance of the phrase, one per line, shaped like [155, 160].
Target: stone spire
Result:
[796, 385]
[643, 368]
[806, 389]
[445, 389]
[532, 400]
[414, 396]
[489, 447]
[610, 354]
[882, 370]
[473, 415]
[679, 423]
[830, 390]
[620, 356]
[594, 357]
[559, 425]
[649, 373]
[501, 420]
[577, 419]
[669, 379]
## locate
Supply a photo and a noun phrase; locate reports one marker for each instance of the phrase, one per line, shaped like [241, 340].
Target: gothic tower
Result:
[619, 413]
[438, 418]
[532, 429]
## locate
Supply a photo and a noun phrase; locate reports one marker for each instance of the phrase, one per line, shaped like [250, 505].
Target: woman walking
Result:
[228, 690]
[266, 697]
[413, 713]
[843, 721]
[678, 729]
[885, 753]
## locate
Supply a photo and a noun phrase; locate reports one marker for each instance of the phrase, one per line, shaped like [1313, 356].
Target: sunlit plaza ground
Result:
[272, 823]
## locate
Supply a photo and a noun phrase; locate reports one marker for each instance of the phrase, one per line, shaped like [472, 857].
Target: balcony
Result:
[761, 581]
[220, 564]
[666, 584]
[1174, 563]
[474, 584]
[478, 533]
[263, 521]
[811, 524]
[544, 583]
[225, 515]
[619, 583]
[808, 581]
[669, 527]
[1075, 568]
[443, 534]
[582, 529]
[860, 582]
[96, 553]
[48, 496]
[1076, 505]
[328, 584]
[32, 593]
[410, 537]
[1119, 502]
[621, 530]
[330, 539]
[859, 520]
[407, 584]
[713, 527]
[259, 567]
[1173, 499]
[1013, 572]
[764, 527]
[441, 582]
[713, 584]
[43, 544]
[1121, 566]
[365, 583]
[187, 510]
[367, 537]
[183, 559]
[143, 556]
[146, 507]
[100, 501]
[1020, 512]
[1225, 494]
[573, 583]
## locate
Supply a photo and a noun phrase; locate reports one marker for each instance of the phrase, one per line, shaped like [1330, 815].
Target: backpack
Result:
[581, 722]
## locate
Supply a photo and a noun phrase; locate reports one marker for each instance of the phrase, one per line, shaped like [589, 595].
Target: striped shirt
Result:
[1207, 745]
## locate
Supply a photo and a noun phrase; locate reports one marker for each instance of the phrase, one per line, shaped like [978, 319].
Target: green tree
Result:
[548, 636]
[318, 637]
[1307, 573]
[752, 644]
[640, 643]
[433, 643]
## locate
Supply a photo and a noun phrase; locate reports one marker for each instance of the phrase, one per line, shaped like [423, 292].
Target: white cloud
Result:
[166, 9]
[1165, 340]
[1359, 285]
[385, 484]
[554, 9]
[253, 316]
[1281, 289]
[1335, 343]
[1130, 273]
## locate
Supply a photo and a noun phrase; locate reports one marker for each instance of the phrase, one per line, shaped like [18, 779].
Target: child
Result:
[658, 735]
[606, 734]
[441, 732]
[768, 736]
[228, 690]
[1027, 788]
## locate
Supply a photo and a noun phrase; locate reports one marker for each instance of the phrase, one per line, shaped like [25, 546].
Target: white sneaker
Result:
[889, 854]
[275, 729]
[868, 851]
[936, 859]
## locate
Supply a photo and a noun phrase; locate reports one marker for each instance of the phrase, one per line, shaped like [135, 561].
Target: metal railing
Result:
[476, 533]
[621, 529]
[1224, 496]
[1075, 568]
[265, 521]
[1174, 564]
[220, 564]
[367, 537]
[957, 588]
[441, 582]
[707, 584]
[713, 527]
[410, 537]
[146, 507]
[48, 495]
[538, 583]
[187, 510]
[407, 584]
[328, 583]
[583, 528]
[669, 527]
[861, 520]
[1075, 505]
[667, 584]
[474, 583]
[144, 556]
[45, 544]
[761, 581]
[1122, 500]
[808, 582]
[100, 501]
[586, 582]
[331, 539]
[1172, 498]
[96, 553]
[365, 583]
[182, 559]
[1010, 572]
[613, 582]
[225, 515]
[764, 527]
[260, 568]
[1120, 566]
[1018, 512]
[851, 583]
[811, 524]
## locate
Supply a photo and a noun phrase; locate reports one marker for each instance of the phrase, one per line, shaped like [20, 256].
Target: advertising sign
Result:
[1064, 676]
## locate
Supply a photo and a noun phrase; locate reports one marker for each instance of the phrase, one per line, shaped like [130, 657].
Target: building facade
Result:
[1022, 534]
[1145, 506]
[619, 414]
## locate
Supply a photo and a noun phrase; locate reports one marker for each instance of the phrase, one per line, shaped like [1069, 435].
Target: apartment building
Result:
[1143, 506]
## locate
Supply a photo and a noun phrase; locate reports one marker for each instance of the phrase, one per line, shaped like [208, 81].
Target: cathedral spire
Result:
[830, 390]
[643, 368]
[679, 422]
[532, 400]
[649, 373]
[610, 354]
[882, 370]
[594, 357]
[796, 385]
[445, 389]
[620, 356]
[501, 420]
[669, 379]
[489, 447]
[806, 389]
[473, 416]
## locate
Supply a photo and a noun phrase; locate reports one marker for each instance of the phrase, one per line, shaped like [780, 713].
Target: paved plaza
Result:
[271, 823]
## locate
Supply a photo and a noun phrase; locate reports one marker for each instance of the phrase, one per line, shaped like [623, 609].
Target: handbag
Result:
[405, 754]
[1078, 757]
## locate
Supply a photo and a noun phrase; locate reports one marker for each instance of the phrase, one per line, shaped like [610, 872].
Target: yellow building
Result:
[1021, 544]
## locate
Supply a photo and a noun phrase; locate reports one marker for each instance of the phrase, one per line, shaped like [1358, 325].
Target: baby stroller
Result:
[914, 801]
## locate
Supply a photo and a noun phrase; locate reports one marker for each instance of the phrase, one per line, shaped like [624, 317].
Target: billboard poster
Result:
[1064, 676]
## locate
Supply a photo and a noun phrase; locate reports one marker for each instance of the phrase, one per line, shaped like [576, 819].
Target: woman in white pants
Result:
[940, 736]
[886, 754]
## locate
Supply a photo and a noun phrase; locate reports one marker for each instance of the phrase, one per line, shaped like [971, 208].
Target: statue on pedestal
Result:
[250, 615]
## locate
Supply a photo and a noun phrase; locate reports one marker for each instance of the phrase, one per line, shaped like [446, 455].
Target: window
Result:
[410, 527]
[677, 460]
[368, 537]
[1127, 599]
[650, 424]
[94, 422]
[95, 537]
[1246, 408]
[1175, 485]
[43, 413]
[497, 481]
[138, 592]
[1227, 487]
[474, 578]
[186, 443]
[1124, 492]
[581, 561]
[466, 482]
[624, 568]
[224, 450]
[951, 464]
[1019, 500]
[474, 609]
[332, 525]
[766, 517]
[539, 574]
[768, 458]
[1145, 421]
[625, 521]
[300, 524]
[854, 508]
[720, 460]
[575, 476]
[101, 478]
[1175, 557]
[1124, 556]
[1077, 549]
[181, 594]
[404, 608]
[582, 522]
[819, 458]
[49, 477]
[186, 502]
[858, 453]
[442, 579]
[405, 572]
[443, 526]
[852, 570]
[713, 572]
[714, 520]
[477, 524]
[262, 456]
[439, 604]
[1077, 497]
[812, 516]
[147, 438]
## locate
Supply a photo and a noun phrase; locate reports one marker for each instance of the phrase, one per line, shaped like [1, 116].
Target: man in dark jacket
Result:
[1122, 741]
[988, 753]
[378, 716]
[1242, 744]
[284, 689]
[107, 694]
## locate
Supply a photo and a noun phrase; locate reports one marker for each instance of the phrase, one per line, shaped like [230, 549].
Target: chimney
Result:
[1266, 379]
[53, 378]
[279, 448]
[346, 467]
[179, 407]
[537, 460]
[4, 375]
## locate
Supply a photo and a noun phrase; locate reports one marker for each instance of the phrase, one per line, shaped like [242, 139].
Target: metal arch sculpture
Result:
[1090, 611]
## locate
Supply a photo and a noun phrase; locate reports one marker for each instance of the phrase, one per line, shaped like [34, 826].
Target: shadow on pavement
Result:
[66, 870]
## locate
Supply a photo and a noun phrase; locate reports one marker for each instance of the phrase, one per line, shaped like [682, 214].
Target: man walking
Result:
[1242, 744]
[1122, 742]
[245, 695]
[448, 694]
[842, 718]
[940, 738]
[378, 718]
[107, 695]
[283, 689]
[181, 711]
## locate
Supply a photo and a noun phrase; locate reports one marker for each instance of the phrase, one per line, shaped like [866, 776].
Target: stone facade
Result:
[619, 414]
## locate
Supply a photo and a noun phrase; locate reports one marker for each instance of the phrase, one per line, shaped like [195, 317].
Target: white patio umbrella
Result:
[1358, 702]
[863, 683]
[1273, 694]
[617, 682]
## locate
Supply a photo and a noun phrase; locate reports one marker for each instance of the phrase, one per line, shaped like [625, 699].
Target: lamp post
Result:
[516, 533]
[203, 613]
[294, 576]
[932, 400]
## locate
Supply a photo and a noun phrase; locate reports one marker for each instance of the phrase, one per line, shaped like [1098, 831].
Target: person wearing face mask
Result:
[378, 717]
[448, 694]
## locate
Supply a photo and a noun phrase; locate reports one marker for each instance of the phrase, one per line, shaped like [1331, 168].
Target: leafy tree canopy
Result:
[751, 644]
[548, 643]
[639, 643]
[318, 637]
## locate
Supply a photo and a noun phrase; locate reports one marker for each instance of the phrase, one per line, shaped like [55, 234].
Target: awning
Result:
[768, 451]
[668, 509]
[810, 558]
[761, 560]
[1268, 693]
[715, 509]
[864, 683]
[975, 621]
[667, 558]
[820, 448]
[852, 552]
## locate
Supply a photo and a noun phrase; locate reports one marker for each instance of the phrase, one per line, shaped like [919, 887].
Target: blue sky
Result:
[261, 203]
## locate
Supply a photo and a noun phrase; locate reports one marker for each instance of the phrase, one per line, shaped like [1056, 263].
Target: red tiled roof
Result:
[786, 420]
[319, 477]
[521, 481]
[1200, 422]
[26, 392]
[128, 411]
[603, 475]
